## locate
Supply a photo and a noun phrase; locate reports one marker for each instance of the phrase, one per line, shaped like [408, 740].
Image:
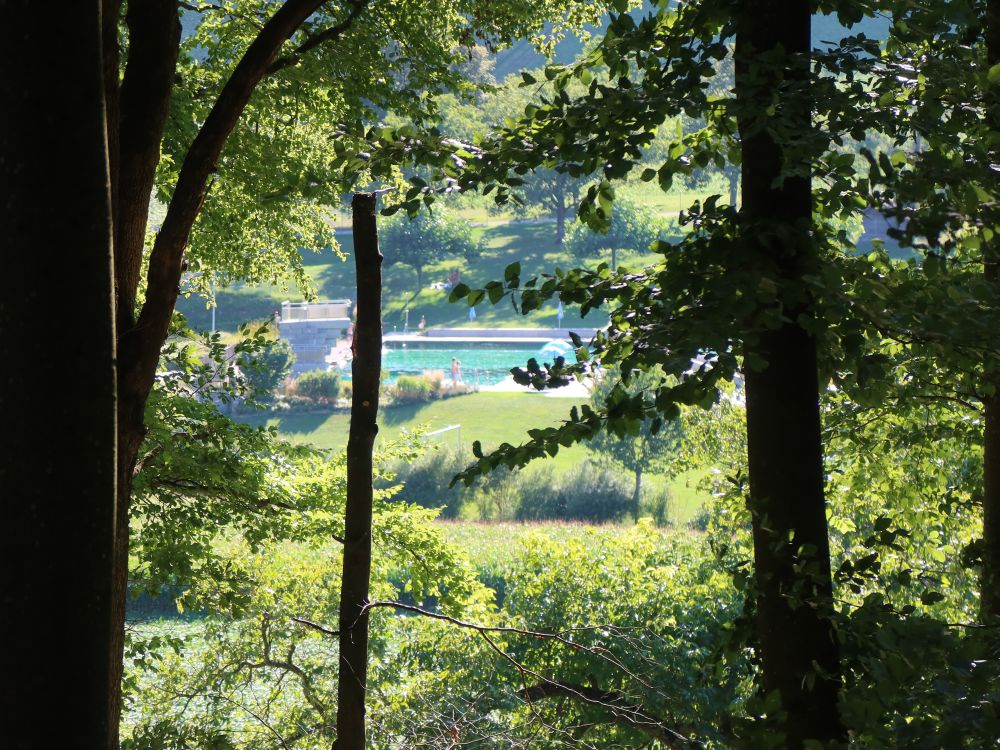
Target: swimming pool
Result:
[481, 365]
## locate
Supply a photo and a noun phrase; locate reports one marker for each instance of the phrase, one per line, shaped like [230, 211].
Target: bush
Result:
[318, 385]
[595, 493]
[410, 389]
[266, 369]
[291, 403]
[425, 480]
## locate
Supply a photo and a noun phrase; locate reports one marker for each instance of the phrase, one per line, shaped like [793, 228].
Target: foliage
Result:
[592, 493]
[426, 239]
[632, 229]
[619, 601]
[639, 449]
[318, 385]
[266, 370]
[417, 388]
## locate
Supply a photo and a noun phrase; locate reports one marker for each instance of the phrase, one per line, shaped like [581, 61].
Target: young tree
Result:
[57, 402]
[426, 239]
[366, 367]
[632, 229]
[639, 449]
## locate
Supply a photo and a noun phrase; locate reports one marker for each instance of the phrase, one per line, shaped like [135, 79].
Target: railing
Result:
[335, 308]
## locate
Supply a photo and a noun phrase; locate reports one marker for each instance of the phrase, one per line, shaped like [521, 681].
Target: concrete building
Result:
[313, 329]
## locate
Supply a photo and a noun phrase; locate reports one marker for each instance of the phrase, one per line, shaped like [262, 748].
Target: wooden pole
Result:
[365, 370]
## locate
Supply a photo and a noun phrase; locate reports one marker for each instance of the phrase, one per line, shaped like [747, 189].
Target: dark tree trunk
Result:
[57, 397]
[365, 370]
[138, 121]
[791, 547]
[637, 493]
[989, 607]
[136, 117]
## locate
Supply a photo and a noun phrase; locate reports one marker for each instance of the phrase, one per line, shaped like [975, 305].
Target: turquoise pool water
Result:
[484, 365]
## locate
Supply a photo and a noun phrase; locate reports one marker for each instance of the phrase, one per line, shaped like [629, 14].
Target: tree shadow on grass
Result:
[401, 414]
[301, 424]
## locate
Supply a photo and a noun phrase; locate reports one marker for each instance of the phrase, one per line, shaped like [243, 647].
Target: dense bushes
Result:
[417, 388]
[593, 492]
[318, 385]
[420, 389]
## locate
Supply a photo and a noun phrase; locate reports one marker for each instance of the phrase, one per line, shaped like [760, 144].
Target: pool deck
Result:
[520, 336]
[409, 338]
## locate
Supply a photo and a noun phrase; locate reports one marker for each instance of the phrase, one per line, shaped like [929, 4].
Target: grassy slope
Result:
[533, 245]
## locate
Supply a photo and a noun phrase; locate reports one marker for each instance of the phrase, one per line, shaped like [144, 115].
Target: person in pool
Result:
[456, 371]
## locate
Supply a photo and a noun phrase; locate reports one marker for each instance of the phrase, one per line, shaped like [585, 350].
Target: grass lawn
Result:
[491, 418]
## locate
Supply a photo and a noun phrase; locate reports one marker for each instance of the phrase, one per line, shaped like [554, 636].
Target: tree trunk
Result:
[136, 115]
[365, 370]
[561, 219]
[420, 277]
[57, 398]
[637, 493]
[989, 603]
[799, 653]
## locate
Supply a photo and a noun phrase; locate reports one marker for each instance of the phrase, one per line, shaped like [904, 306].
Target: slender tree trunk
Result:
[138, 120]
[57, 396]
[989, 607]
[561, 219]
[420, 278]
[798, 651]
[614, 259]
[365, 370]
[136, 116]
[637, 493]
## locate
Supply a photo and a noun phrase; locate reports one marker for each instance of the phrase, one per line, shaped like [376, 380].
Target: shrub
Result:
[426, 479]
[595, 493]
[410, 389]
[319, 385]
[266, 369]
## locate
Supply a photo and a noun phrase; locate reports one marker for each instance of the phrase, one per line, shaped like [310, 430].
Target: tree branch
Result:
[615, 704]
[331, 34]
[139, 347]
[154, 43]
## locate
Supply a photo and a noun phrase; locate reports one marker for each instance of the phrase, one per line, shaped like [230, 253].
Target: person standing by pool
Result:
[456, 371]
